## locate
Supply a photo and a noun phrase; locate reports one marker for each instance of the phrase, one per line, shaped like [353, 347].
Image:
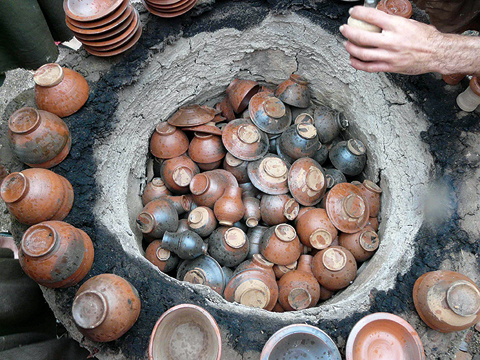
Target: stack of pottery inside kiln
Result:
[272, 228]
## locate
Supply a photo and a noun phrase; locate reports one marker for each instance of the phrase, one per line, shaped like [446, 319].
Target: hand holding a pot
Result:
[407, 46]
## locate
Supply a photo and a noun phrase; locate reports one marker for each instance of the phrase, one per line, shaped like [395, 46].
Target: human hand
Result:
[404, 46]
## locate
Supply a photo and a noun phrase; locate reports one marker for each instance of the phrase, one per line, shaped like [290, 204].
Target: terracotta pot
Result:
[269, 113]
[58, 90]
[447, 301]
[208, 128]
[228, 245]
[303, 210]
[56, 254]
[257, 262]
[349, 157]
[299, 141]
[38, 138]
[470, 98]
[306, 181]
[36, 195]
[453, 79]
[244, 140]
[294, 91]
[321, 155]
[155, 189]
[281, 270]
[210, 166]
[278, 308]
[207, 188]
[202, 221]
[362, 244]
[329, 123]
[325, 294]
[252, 211]
[182, 322]
[105, 307]
[178, 172]
[157, 216]
[236, 167]
[231, 179]
[335, 267]
[334, 177]
[277, 209]
[182, 225]
[373, 222]
[346, 207]
[269, 175]
[192, 115]
[162, 258]
[204, 270]
[253, 288]
[187, 245]
[181, 203]
[168, 142]
[372, 193]
[226, 109]
[315, 229]
[401, 8]
[254, 236]
[280, 245]
[383, 336]
[299, 341]
[239, 93]
[229, 207]
[206, 148]
[298, 289]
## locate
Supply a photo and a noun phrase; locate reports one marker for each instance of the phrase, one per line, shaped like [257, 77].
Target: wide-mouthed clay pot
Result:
[202, 221]
[155, 189]
[187, 245]
[294, 91]
[59, 90]
[280, 245]
[329, 123]
[105, 307]
[299, 141]
[269, 113]
[239, 93]
[335, 267]
[168, 142]
[228, 245]
[162, 258]
[181, 322]
[36, 195]
[56, 254]
[447, 301]
[178, 172]
[229, 207]
[257, 262]
[306, 181]
[300, 341]
[349, 157]
[277, 209]
[383, 336]
[269, 174]
[244, 140]
[362, 244]
[203, 270]
[39, 138]
[208, 187]
[157, 216]
[315, 229]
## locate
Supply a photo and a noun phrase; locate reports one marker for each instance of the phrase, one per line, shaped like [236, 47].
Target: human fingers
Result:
[367, 54]
[372, 66]
[375, 17]
[363, 37]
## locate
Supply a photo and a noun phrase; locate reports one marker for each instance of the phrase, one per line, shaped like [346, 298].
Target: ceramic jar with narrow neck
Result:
[335, 267]
[228, 245]
[157, 216]
[178, 172]
[362, 244]
[36, 195]
[204, 270]
[280, 245]
[470, 98]
[154, 190]
[298, 289]
[207, 188]
[168, 142]
[56, 254]
[278, 209]
[39, 138]
[257, 262]
[202, 221]
[105, 307]
[252, 211]
[229, 207]
[59, 90]
[315, 229]
[162, 258]
[187, 245]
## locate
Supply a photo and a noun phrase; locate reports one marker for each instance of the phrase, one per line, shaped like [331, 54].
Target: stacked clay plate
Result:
[105, 27]
[169, 8]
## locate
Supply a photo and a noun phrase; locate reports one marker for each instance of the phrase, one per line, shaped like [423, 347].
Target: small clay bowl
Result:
[383, 336]
[206, 148]
[104, 20]
[244, 140]
[372, 193]
[100, 30]
[192, 115]
[90, 10]
[294, 91]
[328, 123]
[109, 34]
[239, 93]
[182, 322]
[299, 141]
[306, 181]
[349, 157]
[129, 44]
[132, 30]
[168, 142]
[269, 174]
[178, 172]
[164, 14]
[346, 207]
[269, 113]
[204, 270]
[300, 341]
[277, 209]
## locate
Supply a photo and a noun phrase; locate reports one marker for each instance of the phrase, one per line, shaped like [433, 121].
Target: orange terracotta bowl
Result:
[383, 336]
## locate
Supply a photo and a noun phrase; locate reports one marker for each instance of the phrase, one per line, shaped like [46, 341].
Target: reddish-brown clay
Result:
[277, 209]
[335, 267]
[157, 216]
[105, 307]
[207, 188]
[168, 142]
[178, 172]
[202, 221]
[210, 166]
[39, 138]
[226, 109]
[447, 301]
[306, 181]
[229, 207]
[278, 308]
[59, 90]
[294, 91]
[362, 244]
[257, 262]
[325, 294]
[231, 179]
[181, 203]
[372, 193]
[244, 140]
[281, 270]
[36, 195]
[239, 93]
[154, 190]
[252, 211]
[401, 8]
[315, 229]
[206, 148]
[298, 289]
[253, 288]
[269, 174]
[236, 167]
[453, 79]
[373, 222]
[163, 259]
[301, 212]
[280, 245]
[56, 254]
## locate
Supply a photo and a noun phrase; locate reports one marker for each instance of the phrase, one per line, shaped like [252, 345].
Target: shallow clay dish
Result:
[192, 115]
[300, 341]
[169, 14]
[384, 336]
[244, 140]
[167, 4]
[96, 31]
[171, 9]
[124, 38]
[103, 21]
[88, 10]
[269, 174]
[111, 33]
[306, 181]
[119, 50]
[185, 332]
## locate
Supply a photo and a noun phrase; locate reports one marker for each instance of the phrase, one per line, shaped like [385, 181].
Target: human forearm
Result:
[457, 54]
